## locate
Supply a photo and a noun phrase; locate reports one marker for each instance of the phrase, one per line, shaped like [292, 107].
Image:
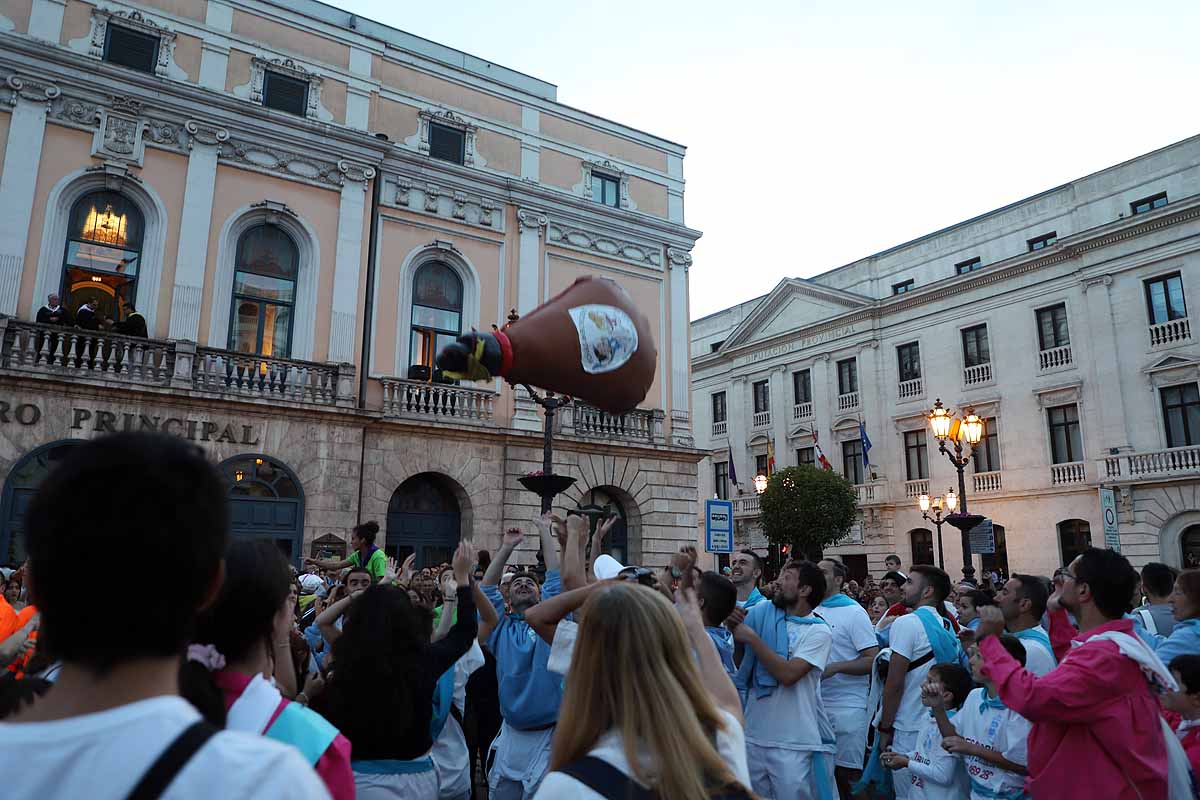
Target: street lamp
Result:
[760, 483]
[947, 427]
[936, 504]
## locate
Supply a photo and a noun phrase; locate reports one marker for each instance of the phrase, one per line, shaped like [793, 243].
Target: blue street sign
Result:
[718, 526]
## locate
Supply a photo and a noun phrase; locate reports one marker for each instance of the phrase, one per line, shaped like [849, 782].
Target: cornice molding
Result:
[596, 240]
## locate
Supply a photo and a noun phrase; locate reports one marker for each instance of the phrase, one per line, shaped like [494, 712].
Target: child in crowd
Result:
[935, 772]
[989, 737]
[1186, 703]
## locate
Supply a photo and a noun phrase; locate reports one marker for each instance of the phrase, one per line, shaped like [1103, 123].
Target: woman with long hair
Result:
[638, 708]
[381, 690]
[238, 640]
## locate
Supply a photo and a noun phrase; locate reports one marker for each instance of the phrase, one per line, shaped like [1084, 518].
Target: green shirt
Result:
[376, 564]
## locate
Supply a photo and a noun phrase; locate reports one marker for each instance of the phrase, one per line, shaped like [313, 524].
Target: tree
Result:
[807, 508]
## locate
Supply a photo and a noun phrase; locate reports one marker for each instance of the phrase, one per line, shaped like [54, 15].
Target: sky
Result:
[820, 133]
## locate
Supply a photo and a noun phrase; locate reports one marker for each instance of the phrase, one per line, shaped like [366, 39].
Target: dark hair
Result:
[936, 578]
[367, 531]
[484, 560]
[1033, 589]
[257, 581]
[758, 565]
[810, 575]
[15, 694]
[978, 598]
[1189, 583]
[1014, 647]
[1110, 579]
[893, 576]
[1188, 667]
[839, 569]
[890, 556]
[719, 596]
[360, 568]
[956, 680]
[155, 501]
[1158, 578]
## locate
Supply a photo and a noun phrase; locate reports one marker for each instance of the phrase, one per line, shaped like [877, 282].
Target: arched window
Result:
[1189, 543]
[437, 305]
[1074, 536]
[598, 505]
[104, 246]
[922, 546]
[264, 292]
[266, 501]
[424, 517]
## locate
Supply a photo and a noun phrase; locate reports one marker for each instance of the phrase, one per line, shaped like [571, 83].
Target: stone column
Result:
[679, 262]
[204, 147]
[532, 224]
[781, 417]
[45, 19]
[31, 100]
[739, 423]
[824, 394]
[1114, 429]
[343, 323]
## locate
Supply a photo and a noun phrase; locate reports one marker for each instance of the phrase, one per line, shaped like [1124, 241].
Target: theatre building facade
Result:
[303, 206]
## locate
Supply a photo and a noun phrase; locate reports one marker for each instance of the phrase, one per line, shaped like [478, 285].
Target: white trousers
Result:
[903, 742]
[519, 761]
[777, 773]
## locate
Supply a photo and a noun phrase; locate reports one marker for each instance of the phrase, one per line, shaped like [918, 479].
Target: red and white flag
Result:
[821, 459]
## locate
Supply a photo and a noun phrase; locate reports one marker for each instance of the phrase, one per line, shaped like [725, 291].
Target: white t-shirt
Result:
[794, 717]
[563, 647]
[909, 640]
[450, 757]
[852, 633]
[935, 773]
[731, 746]
[102, 756]
[999, 729]
[1038, 659]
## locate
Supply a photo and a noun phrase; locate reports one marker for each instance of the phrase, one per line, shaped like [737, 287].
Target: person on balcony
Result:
[134, 324]
[54, 313]
[87, 317]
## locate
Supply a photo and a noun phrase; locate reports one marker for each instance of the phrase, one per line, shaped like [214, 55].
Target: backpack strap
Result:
[1147, 620]
[606, 780]
[172, 761]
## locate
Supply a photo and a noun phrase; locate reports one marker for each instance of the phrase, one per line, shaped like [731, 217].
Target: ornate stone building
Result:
[304, 205]
[1062, 319]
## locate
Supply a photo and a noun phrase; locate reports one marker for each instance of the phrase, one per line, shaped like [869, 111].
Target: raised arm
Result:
[545, 616]
[331, 564]
[512, 538]
[441, 655]
[573, 576]
[327, 619]
[597, 545]
[544, 523]
[488, 616]
[712, 671]
[449, 607]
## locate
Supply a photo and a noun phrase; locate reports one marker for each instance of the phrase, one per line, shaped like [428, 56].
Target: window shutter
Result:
[131, 49]
[446, 143]
[285, 94]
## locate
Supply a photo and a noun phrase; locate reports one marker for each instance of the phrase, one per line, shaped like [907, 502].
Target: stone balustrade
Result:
[405, 399]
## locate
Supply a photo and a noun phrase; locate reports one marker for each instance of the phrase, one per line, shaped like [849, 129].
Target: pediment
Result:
[794, 304]
[1171, 370]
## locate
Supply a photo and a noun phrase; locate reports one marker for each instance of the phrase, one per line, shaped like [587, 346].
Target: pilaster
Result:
[679, 262]
[343, 323]
[204, 147]
[781, 414]
[1114, 430]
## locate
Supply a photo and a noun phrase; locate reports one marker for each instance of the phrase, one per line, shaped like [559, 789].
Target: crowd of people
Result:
[239, 675]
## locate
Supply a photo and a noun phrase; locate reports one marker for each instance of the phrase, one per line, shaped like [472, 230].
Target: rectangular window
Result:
[901, 288]
[284, 93]
[762, 397]
[1065, 442]
[1181, 415]
[760, 465]
[847, 376]
[718, 407]
[1042, 241]
[1052, 327]
[909, 358]
[986, 454]
[131, 49]
[1148, 203]
[975, 346]
[852, 466]
[606, 190]
[802, 386]
[447, 144]
[916, 455]
[970, 265]
[715, 346]
[721, 480]
[1164, 299]
[806, 455]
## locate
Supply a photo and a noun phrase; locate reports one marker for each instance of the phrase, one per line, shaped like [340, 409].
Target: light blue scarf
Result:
[770, 623]
[838, 600]
[990, 702]
[754, 599]
[945, 646]
[1039, 636]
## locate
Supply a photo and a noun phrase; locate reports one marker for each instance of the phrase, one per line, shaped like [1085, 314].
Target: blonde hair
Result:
[633, 672]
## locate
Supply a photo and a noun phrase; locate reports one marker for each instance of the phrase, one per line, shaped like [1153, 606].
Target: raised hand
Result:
[513, 537]
[406, 571]
[933, 694]
[464, 559]
[391, 571]
[688, 606]
[991, 622]
[604, 527]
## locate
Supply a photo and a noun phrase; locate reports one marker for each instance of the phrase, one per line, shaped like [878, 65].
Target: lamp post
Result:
[949, 502]
[760, 483]
[948, 428]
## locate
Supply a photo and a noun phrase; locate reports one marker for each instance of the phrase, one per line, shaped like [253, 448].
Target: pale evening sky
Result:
[819, 133]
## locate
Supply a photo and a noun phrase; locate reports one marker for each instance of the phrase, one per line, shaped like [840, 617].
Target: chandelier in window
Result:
[106, 227]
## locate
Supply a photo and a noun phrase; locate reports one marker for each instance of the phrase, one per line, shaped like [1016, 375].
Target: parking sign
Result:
[718, 526]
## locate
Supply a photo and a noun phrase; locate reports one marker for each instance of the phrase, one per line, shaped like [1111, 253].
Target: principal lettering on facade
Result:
[99, 421]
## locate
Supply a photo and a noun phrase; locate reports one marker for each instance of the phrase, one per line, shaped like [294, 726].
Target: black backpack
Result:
[606, 780]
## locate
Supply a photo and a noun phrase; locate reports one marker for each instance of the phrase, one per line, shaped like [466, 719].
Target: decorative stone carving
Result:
[460, 205]
[403, 189]
[76, 111]
[164, 133]
[528, 218]
[285, 66]
[273, 161]
[486, 207]
[205, 133]
[679, 258]
[119, 137]
[449, 119]
[585, 189]
[165, 67]
[22, 87]
[1059, 395]
[274, 209]
[1097, 280]
[115, 174]
[606, 243]
[432, 193]
[359, 173]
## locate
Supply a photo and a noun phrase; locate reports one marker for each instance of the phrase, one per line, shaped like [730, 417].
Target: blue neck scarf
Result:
[838, 600]
[770, 623]
[943, 642]
[443, 697]
[754, 599]
[990, 702]
[1037, 635]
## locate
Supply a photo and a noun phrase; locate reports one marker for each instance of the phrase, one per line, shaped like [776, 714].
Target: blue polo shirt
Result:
[530, 695]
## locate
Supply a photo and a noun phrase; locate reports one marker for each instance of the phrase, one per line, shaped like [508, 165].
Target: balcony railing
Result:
[866, 492]
[407, 399]
[1170, 462]
[987, 482]
[911, 389]
[916, 488]
[980, 373]
[720, 428]
[1170, 333]
[762, 419]
[746, 506]
[639, 425]
[1054, 358]
[848, 401]
[1068, 473]
[802, 411]
[265, 377]
[53, 350]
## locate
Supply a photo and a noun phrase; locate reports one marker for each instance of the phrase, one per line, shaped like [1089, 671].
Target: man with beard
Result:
[745, 568]
[1022, 600]
[790, 742]
[1096, 727]
[530, 694]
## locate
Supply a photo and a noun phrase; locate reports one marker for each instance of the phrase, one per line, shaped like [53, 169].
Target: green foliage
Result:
[807, 508]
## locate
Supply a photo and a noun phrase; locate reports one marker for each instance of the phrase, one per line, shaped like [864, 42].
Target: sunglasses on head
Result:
[642, 575]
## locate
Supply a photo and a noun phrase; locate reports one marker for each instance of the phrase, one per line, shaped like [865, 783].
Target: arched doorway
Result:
[23, 481]
[1189, 546]
[102, 254]
[997, 561]
[921, 540]
[424, 517]
[266, 501]
[597, 505]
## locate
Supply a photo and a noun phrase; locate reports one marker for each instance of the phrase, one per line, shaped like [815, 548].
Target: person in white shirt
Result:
[451, 759]
[114, 715]
[1022, 600]
[845, 681]
[790, 741]
[934, 772]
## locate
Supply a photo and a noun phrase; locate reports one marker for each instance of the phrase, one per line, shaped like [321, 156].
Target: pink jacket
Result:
[1096, 729]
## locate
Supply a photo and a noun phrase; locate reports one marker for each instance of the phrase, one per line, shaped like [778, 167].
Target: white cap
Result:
[311, 583]
[506, 577]
[606, 567]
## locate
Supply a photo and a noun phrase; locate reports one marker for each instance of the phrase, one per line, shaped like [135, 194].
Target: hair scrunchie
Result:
[207, 656]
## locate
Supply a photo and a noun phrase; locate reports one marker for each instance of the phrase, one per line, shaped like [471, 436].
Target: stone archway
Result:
[21, 485]
[1171, 538]
[425, 516]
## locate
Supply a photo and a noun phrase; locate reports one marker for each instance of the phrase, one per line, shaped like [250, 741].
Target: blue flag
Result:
[732, 468]
[866, 445]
